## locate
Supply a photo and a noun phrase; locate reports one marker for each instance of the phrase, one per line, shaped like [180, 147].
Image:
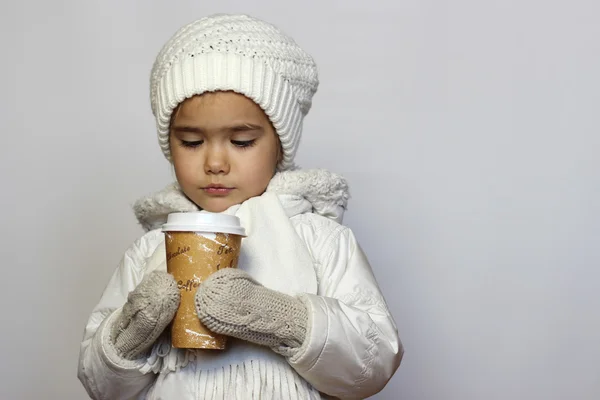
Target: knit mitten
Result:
[231, 303]
[149, 309]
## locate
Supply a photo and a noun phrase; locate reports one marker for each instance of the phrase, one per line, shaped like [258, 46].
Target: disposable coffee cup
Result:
[197, 245]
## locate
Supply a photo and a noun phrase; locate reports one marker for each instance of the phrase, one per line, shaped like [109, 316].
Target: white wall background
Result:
[469, 132]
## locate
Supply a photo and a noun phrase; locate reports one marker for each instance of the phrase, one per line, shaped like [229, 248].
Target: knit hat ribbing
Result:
[241, 54]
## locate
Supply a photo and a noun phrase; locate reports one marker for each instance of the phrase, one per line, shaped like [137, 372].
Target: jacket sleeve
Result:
[352, 347]
[103, 373]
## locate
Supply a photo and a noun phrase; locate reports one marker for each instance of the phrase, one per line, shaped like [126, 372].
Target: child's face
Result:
[224, 149]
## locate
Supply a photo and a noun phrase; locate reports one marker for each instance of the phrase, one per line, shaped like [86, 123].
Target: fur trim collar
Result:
[326, 191]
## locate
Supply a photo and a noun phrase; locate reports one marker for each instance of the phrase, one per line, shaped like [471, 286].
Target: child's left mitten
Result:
[231, 303]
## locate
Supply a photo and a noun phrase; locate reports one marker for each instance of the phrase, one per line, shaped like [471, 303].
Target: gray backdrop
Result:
[467, 129]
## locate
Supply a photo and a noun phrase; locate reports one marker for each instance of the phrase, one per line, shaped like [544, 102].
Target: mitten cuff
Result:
[107, 351]
[306, 356]
[300, 322]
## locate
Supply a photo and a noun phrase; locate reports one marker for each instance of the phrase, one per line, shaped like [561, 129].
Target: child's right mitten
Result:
[149, 309]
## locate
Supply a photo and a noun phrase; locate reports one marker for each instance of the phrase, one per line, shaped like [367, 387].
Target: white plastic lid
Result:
[204, 221]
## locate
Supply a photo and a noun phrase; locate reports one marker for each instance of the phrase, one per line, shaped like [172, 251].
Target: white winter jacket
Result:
[352, 347]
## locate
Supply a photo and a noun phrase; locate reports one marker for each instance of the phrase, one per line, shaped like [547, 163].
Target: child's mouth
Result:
[217, 190]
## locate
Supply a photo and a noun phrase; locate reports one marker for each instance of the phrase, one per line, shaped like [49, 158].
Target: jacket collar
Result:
[317, 190]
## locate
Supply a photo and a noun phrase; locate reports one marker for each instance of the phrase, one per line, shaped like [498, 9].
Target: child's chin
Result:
[217, 206]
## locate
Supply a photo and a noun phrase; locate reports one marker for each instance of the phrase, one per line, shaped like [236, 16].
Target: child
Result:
[303, 310]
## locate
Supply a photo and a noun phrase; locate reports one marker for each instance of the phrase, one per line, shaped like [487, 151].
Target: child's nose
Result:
[216, 162]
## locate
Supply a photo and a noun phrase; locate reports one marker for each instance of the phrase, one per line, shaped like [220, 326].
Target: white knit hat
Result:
[241, 54]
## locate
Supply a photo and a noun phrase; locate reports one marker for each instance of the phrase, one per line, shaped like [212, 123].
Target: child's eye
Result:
[243, 143]
[193, 144]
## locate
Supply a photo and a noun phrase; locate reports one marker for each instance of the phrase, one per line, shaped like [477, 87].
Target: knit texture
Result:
[241, 54]
[231, 303]
[150, 307]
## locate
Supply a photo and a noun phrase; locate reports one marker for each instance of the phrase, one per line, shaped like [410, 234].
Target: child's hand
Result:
[148, 311]
[231, 303]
